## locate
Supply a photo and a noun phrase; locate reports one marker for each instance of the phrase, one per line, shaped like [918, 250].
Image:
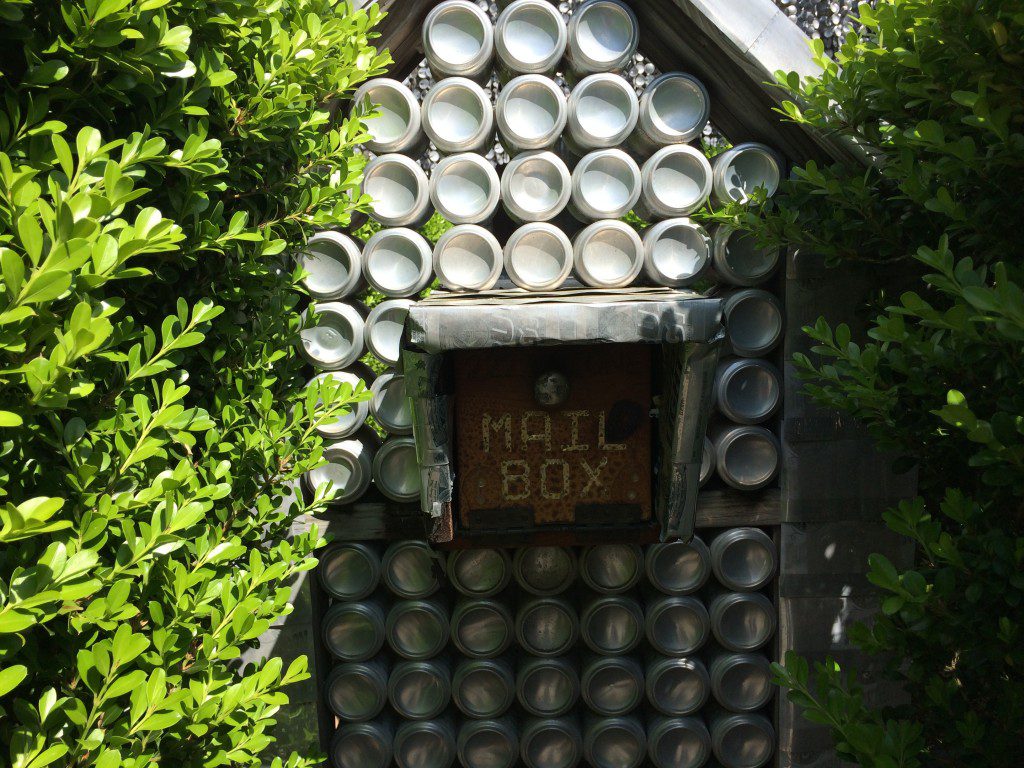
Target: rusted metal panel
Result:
[586, 461]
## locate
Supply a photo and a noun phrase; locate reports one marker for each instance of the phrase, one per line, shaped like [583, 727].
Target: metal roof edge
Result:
[763, 40]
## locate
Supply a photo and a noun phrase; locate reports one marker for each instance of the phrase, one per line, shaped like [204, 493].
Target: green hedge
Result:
[934, 96]
[157, 157]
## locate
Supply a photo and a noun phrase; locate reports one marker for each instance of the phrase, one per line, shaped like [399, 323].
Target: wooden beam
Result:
[400, 33]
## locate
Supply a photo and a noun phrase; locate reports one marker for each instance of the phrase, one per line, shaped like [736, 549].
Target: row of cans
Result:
[610, 686]
[734, 740]
[538, 185]
[529, 36]
[549, 626]
[740, 559]
[400, 263]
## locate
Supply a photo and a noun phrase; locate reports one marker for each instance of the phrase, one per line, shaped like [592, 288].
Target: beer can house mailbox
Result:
[534, 411]
[597, 504]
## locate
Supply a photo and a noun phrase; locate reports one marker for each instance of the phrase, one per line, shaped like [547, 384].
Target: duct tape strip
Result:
[517, 318]
[687, 395]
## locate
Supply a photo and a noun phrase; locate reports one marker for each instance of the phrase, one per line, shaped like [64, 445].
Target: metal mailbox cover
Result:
[579, 455]
[684, 327]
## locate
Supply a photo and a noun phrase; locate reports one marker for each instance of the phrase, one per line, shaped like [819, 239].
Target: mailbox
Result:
[539, 410]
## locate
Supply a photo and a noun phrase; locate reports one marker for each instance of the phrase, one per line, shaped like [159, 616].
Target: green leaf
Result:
[47, 73]
[10, 419]
[13, 271]
[46, 286]
[31, 236]
[11, 677]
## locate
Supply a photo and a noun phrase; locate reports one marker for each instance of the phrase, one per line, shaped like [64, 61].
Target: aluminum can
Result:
[547, 687]
[746, 457]
[605, 185]
[481, 628]
[744, 168]
[677, 626]
[349, 468]
[742, 621]
[551, 743]
[612, 625]
[399, 189]
[396, 472]
[748, 390]
[707, 461]
[333, 264]
[530, 37]
[383, 329]
[677, 687]
[743, 559]
[396, 126]
[458, 41]
[417, 629]
[741, 682]
[479, 572]
[538, 256]
[754, 320]
[544, 570]
[608, 254]
[603, 111]
[602, 37]
[357, 691]
[741, 740]
[483, 688]
[738, 260]
[531, 112]
[425, 744]
[488, 743]
[465, 188]
[678, 742]
[411, 569]
[362, 745]
[677, 252]
[333, 340]
[351, 417]
[674, 109]
[458, 116]
[397, 262]
[349, 570]
[420, 690]
[612, 685]
[467, 258]
[678, 568]
[389, 404]
[354, 631]
[611, 568]
[535, 186]
[676, 182]
[546, 626]
[614, 742]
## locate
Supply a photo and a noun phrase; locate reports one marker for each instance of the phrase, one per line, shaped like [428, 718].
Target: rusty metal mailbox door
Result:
[580, 456]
